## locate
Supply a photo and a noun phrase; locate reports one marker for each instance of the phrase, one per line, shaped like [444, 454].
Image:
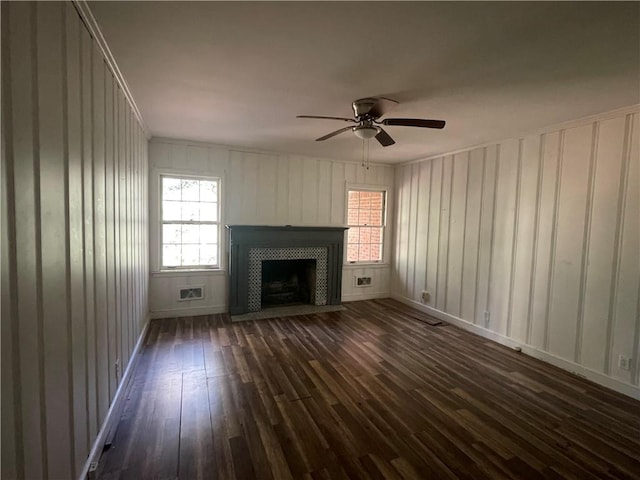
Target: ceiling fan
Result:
[367, 113]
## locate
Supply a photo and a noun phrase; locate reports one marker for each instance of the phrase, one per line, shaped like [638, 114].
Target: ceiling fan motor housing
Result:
[363, 106]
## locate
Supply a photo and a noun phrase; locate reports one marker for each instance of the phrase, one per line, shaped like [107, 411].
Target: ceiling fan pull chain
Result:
[368, 142]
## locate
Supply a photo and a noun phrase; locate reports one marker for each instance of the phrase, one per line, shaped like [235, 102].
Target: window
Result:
[189, 222]
[365, 219]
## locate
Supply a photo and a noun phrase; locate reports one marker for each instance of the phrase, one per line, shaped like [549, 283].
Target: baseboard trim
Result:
[354, 297]
[619, 386]
[98, 444]
[188, 312]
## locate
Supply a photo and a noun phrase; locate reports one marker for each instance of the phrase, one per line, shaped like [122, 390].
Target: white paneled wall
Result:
[258, 189]
[74, 239]
[534, 241]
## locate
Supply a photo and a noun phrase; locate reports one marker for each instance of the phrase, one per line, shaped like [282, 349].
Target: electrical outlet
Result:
[624, 363]
[487, 318]
[117, 370]
[426, 297]
[93, 469]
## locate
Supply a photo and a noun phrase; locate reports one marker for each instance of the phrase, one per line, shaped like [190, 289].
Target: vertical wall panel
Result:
[526, 229]
[504, 216]
[422, 229]
[545, 239]
[11, 428]
[457, 232]
[472, 233]
[99, 233]
[487, 208]
[541, 234]
[412, 171]
[568, 253]
[310, 191]
[600, 253]
[109, 224]
[267, 193]
[53, 261]
[625, 318]
[22, 86]
[338, 215]
[443, 227]
[59, 139]
[433, 244]
[402, 235]
[76, 237]
[295, 213]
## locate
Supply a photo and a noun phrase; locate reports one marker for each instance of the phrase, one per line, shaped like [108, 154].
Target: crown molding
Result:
[86, 15]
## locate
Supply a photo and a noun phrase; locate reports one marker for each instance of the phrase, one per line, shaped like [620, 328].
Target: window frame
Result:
[385, 216]
[161, 223]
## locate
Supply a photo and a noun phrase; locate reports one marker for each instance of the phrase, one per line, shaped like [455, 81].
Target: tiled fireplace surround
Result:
[250, 245]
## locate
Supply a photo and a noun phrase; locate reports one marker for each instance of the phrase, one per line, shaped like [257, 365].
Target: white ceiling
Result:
[237, 73]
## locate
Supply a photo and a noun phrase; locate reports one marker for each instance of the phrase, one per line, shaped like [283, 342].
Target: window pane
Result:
[208, 254]
[190, 255]
[171, 255]
[190, 190]
[375, 217]
[209, 234]
[208, 212]
[353, 235]
[190, 234]
[352, 253]
[171, 188]
[171, 211]
[376, 235]
[364, 217]
[171, 233]
[365, 235]
[364, 252]
[190, 211]
[208, 191]
[354, 199]
[376, 252]
[365, 200]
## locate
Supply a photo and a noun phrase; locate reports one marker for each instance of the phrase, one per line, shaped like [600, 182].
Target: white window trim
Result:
[160, 223]
[385, 226]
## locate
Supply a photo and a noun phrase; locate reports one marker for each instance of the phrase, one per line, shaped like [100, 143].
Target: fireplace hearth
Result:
[258, 250]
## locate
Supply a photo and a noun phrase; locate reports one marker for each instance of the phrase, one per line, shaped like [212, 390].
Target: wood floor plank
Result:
[377, 390]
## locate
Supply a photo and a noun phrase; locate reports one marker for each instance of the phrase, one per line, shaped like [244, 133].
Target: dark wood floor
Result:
[369, 392]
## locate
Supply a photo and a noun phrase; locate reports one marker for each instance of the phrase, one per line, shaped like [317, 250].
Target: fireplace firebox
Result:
[256, 250]
[288, 282]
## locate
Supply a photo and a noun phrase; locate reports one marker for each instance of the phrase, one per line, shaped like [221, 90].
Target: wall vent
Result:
[363, 281]
[191, 293]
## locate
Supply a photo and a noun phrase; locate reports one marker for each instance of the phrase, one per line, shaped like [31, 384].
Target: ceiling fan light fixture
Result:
[365, 132]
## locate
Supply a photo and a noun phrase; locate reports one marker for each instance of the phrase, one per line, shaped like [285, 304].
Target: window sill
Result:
[189, 272]
[367, 265]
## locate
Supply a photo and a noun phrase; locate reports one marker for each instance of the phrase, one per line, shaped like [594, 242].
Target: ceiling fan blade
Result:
[384, 138]
[327, 118]
[414, 122]
[333, 134]
[382, 106]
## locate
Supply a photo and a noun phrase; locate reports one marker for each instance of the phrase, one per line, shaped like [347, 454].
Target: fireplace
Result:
[301, 264]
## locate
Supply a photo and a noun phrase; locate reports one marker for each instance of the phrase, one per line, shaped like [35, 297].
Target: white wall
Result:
[74, 239]
[541, 232]
[258, 189]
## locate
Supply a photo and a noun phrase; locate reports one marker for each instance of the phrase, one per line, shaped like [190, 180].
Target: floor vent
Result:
[191, 293]
[363, 281]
